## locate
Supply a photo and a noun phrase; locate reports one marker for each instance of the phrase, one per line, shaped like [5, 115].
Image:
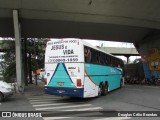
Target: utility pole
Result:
[35, 58]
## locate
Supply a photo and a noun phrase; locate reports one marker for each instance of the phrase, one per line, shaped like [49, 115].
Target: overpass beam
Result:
[17, 33]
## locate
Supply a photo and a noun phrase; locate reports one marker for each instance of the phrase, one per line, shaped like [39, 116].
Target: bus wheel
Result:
[105, 89]
[100, 90]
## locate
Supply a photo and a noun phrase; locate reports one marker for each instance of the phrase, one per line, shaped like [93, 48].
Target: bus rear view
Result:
[64, 67]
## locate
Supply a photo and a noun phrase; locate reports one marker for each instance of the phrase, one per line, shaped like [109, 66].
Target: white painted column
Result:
[17, 33]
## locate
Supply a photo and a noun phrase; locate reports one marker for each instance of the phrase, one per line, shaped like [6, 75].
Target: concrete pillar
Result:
[17, 33]
[128, 59]
[127, 56]
[25, 62]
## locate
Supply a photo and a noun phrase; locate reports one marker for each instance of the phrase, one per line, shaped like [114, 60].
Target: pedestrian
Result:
[87, 54]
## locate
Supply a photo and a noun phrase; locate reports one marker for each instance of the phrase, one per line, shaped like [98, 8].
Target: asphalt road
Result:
[128, 98]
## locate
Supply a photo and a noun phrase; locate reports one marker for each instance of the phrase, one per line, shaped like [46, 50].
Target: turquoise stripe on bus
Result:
[100, 73]
[61, 75]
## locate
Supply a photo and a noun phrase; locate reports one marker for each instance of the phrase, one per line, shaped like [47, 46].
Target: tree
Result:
[35, 54]
[8, 64]
[35, 51]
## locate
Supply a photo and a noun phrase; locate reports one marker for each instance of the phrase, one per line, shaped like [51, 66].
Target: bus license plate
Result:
[61, 91]
[60, 83]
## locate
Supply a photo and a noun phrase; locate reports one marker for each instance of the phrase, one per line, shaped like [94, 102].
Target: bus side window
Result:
[102, 58]
[95, 56]
[108, 60]
[98, 58]
[116, 63]
[112, 62]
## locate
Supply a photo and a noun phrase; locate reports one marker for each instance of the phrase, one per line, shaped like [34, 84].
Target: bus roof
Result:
[86, 44]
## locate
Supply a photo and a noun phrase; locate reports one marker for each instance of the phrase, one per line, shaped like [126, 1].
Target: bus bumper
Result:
[72, 92]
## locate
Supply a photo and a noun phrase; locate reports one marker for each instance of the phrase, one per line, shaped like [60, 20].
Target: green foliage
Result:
[10, 72]
[8, 64]
[35, 47]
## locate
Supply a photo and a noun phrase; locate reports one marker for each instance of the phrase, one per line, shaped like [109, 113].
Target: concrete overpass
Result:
[135, 21]
[132, 21]
[122, 20]
[121, 51]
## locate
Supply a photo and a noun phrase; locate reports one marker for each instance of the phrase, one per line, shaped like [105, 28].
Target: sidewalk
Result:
[33, 90]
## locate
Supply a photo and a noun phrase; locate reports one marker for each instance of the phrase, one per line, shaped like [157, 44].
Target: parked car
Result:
[5, 90]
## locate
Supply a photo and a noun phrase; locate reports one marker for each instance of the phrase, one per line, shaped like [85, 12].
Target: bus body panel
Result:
[67, 73]
[95, 74]
[64, 67]
[63, 79]
[90, 88]
[76, 92]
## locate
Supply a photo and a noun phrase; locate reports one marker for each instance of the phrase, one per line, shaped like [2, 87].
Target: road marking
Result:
[139, 89]
[79, 115]
[55, 118]
[71, 106]
[44, 97]
[51, 104]
[86, 114]
[114, 118]
[142, 86]
[155, 87]
[47, 103]
[99, 118]
[133, 89]
[43, 100]
[86, 109]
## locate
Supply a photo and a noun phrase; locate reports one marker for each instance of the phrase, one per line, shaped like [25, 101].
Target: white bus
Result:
[77, 69]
